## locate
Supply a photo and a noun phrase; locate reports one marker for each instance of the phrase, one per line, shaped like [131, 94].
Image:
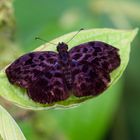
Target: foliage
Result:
[8, 128]
[119, 39]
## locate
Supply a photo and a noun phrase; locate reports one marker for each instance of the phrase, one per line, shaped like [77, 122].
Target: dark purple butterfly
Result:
[49, 77]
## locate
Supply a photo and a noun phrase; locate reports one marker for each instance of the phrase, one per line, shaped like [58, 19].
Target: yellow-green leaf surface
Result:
[9, 130]
[117, 38]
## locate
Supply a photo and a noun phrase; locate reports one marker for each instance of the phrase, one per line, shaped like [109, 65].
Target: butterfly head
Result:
[62, 47]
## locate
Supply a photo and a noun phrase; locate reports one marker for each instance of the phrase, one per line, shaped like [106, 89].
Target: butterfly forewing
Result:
[91, 65]
[96, 53]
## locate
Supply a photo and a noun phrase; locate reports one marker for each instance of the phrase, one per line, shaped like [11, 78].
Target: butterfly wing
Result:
[40, 74]
[91, 65]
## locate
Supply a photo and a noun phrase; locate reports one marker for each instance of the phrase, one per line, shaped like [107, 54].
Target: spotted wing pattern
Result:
[41, 75]
[91, 65]
[46, 79]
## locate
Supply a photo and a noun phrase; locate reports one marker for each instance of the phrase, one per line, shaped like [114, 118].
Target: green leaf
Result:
[9, 130]
[118, 38]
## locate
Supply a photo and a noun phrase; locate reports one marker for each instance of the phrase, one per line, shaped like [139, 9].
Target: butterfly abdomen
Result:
[68, 77]
[66, 68]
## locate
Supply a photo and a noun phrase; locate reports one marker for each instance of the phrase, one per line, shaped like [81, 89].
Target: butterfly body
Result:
[65, 64]
[49, 77]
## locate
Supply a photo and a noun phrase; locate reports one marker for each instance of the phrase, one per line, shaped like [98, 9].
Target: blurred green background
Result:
[115, 115]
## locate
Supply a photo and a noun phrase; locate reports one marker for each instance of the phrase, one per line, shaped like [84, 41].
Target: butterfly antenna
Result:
[76, 34]
[38, 38]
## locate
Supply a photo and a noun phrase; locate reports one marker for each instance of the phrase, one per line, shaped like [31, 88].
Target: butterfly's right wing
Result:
[39, 73]
[92, 63]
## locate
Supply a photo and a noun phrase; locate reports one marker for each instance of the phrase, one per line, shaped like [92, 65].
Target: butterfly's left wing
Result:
[39, 73]
[92, 63]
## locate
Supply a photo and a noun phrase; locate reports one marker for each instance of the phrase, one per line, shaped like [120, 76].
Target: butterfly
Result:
[50, 76]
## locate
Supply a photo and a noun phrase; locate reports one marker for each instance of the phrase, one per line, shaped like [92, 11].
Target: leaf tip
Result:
[134, 33]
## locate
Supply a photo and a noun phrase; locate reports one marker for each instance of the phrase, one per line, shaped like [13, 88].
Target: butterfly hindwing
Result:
[92, 63]
[49, 90]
